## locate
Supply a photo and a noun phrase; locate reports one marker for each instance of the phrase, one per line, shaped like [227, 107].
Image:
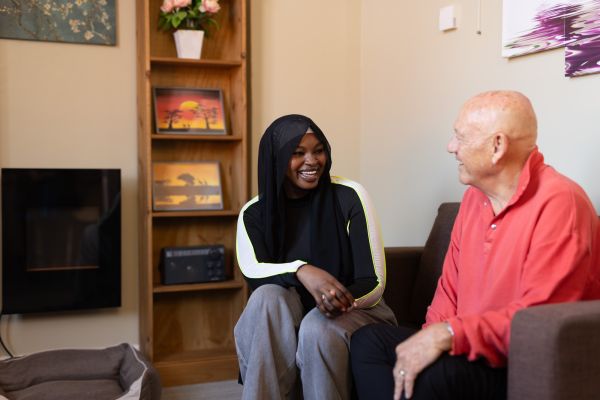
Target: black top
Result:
[361, 278]
[334, 227]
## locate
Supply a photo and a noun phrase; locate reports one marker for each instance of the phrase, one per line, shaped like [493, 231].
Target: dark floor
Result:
[224, 390]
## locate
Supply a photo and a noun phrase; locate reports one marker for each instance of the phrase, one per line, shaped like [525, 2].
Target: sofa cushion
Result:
[20, 373]
[90, 389]
[432, 260]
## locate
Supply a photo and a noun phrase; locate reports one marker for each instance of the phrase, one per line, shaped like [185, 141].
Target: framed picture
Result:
[189, 111]
[69, 21]
[179, 186]
[533, 26]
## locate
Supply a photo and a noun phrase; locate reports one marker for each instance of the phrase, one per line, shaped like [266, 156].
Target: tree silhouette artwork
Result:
[172, 116]
[188, 189]
[208, 114]
[189, 182]
[187, 178]
[201, 189]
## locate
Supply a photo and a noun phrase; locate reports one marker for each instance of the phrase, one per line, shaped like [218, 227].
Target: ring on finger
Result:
[402, 373]
[323, 297]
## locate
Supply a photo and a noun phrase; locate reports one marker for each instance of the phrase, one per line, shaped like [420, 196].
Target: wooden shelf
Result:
[194, 214]
[187, 330]
[204, 365]
[191, 356]
[195, 287]
[199, 63]
[207, 138]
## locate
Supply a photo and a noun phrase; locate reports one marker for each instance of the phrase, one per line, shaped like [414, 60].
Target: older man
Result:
[525, 235]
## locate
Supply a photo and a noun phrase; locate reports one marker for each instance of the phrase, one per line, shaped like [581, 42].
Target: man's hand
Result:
[331, 296]
[416, 353]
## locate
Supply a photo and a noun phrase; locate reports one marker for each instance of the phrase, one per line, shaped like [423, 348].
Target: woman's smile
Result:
[305, 167]
[309, 175]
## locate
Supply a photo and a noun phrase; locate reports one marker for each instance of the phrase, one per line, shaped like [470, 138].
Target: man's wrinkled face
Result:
[471, 146]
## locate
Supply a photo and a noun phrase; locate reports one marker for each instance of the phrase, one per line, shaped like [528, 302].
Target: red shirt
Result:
[541, 248]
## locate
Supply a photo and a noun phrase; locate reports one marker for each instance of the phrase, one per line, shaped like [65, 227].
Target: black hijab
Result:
[329, 243]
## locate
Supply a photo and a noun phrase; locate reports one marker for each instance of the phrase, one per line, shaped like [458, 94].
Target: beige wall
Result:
[378, 78]
[414, 79]
[65, 105]
[305, 60]
[74, 106]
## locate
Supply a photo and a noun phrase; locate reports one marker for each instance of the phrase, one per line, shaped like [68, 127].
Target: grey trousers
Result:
[277, 348]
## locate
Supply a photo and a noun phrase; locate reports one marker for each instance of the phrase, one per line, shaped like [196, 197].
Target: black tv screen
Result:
[61, 239]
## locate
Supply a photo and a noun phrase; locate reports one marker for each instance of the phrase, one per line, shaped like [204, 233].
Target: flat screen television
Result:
[61, 239]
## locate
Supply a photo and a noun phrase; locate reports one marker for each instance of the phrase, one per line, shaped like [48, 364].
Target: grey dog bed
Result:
[118, 372]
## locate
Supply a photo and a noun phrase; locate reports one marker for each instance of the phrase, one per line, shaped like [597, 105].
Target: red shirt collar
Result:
[533, 163]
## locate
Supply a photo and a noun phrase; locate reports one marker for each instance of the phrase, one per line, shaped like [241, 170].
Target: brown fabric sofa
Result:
[555, 349]
[118, 372]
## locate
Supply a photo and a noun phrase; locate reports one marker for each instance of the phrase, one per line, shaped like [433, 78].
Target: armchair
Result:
[555, 349]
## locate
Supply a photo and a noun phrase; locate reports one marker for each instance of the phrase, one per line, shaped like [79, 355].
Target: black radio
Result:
[192, 264]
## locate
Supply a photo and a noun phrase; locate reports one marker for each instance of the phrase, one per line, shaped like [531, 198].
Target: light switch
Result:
[447, 18]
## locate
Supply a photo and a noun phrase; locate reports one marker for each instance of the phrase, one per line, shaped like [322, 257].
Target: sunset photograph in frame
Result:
[193, 111]
[186, 186]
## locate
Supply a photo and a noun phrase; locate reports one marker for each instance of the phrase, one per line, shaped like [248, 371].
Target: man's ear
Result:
[500, 143]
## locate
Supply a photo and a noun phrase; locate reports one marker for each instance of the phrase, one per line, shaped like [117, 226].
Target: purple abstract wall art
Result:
[532, 26]
[537, 25]
[582, 54]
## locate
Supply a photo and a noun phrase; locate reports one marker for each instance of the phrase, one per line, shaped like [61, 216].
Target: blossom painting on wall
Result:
[71, 21]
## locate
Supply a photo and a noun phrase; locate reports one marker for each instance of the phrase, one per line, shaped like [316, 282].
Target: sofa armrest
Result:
[554, 352]
[401, 271]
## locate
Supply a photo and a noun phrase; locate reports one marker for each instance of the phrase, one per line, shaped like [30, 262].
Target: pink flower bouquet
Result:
[188, 14]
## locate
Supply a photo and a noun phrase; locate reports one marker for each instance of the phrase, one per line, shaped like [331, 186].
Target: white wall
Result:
[305, 60]
[74, 106]
[414, 80]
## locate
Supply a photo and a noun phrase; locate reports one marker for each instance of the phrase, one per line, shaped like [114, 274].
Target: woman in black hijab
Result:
[309, 247]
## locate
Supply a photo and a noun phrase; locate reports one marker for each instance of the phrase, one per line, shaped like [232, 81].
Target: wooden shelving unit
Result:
[187, 330]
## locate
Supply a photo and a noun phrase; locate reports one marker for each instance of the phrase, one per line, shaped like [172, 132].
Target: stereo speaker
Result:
[193, 264]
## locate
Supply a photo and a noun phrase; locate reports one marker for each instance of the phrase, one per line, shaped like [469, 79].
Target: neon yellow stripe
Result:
[380, 280]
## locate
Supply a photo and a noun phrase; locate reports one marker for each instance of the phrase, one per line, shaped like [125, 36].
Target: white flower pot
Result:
[188, 43]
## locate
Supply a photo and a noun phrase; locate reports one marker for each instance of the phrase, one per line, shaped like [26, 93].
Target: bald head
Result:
[506, 112]
[494, 134]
